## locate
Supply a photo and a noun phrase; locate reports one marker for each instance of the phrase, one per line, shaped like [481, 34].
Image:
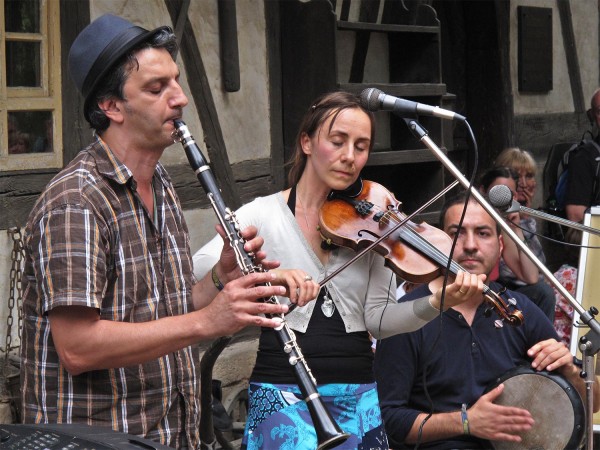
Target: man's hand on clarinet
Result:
[240, 304]
[227, 268]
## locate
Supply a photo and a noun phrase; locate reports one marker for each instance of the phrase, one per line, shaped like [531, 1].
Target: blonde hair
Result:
[516, 159]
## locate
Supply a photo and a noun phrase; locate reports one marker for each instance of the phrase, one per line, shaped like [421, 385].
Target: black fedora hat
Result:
[99, 46]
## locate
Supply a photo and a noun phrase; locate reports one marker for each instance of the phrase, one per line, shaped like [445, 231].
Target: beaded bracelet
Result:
[465, 419]
[216, 280]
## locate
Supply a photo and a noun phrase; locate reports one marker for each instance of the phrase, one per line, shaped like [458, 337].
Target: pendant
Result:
[328, 307]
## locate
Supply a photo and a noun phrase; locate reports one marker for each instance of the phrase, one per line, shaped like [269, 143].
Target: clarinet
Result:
[328, 432]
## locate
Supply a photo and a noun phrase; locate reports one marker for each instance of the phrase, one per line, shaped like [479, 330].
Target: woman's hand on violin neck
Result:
[300, 287]
[466, 286]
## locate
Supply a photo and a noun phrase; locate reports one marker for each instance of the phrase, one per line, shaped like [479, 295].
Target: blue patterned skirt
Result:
[278, 418]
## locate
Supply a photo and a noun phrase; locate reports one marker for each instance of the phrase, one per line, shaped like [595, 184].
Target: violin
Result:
[416, 252]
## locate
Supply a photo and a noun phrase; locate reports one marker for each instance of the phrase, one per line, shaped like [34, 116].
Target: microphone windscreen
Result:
[500, 196]
[369, 99]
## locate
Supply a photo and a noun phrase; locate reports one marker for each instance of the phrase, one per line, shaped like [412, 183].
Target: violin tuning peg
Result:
[487, 312]
[512, 301]
[498, 323]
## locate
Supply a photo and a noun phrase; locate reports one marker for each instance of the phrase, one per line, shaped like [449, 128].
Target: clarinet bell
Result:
[329, 434]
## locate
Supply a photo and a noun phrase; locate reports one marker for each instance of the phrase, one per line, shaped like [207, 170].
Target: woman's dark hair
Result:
[111, 85]
[327, 105]
[496, 172]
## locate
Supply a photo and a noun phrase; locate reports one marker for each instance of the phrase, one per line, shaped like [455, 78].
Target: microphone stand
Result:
[555, 219]
[590, 343]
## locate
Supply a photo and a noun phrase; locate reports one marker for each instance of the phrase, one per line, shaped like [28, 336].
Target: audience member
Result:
[445, 368]
[566, 274]
[539, 292]
[583, 187]
[523, 163]
[563, 314]
[523, 268]
[516, 270]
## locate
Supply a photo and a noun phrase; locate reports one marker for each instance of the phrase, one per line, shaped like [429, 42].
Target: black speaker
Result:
[71, 436]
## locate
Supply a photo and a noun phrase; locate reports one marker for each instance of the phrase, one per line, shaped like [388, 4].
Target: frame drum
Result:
[554, 404]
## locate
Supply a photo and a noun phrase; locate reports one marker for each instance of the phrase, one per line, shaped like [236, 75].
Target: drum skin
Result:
[554, 403]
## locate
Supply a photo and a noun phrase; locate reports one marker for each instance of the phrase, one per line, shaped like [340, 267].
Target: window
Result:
[30, 93]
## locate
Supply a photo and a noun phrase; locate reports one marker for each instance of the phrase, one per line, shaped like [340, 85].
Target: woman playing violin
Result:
[335, 138]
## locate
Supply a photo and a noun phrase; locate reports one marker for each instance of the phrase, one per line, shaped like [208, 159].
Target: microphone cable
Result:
[445, 282]
[556, 241]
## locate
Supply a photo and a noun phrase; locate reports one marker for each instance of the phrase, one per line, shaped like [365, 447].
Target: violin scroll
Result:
[507, 313]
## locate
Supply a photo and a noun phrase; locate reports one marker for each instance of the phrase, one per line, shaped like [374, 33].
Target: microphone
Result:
[501, 198]
[375, 100]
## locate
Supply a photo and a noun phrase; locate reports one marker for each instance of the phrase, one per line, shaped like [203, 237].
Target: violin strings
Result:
[409, 235]
[413, 238]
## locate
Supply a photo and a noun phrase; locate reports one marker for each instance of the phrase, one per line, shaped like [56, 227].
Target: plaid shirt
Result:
[90, 241]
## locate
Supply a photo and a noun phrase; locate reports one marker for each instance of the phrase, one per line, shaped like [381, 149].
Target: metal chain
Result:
[16, 272]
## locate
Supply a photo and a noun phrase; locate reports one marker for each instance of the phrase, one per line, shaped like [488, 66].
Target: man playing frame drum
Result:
[448, 366]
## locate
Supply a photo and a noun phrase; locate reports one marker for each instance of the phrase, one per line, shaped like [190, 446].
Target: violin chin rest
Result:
[351, 191]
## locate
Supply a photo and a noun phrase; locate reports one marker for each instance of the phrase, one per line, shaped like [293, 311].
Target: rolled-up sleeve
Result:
[395, 361]
[68, 252]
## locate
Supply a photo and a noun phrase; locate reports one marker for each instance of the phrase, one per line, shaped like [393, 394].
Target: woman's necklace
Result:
[328, 306]
[303, 212]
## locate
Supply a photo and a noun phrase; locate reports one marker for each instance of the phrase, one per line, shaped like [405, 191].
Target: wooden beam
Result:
[506, 118]
[181, 18]
[345, 11]
[568, 35]
[273, 32]
[308, 63]
[368, 14]
[18, 194]
[76, 133]
[228, 43]
[209, 118]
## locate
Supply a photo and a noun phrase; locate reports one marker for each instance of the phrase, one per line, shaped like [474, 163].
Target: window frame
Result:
[46, 97]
